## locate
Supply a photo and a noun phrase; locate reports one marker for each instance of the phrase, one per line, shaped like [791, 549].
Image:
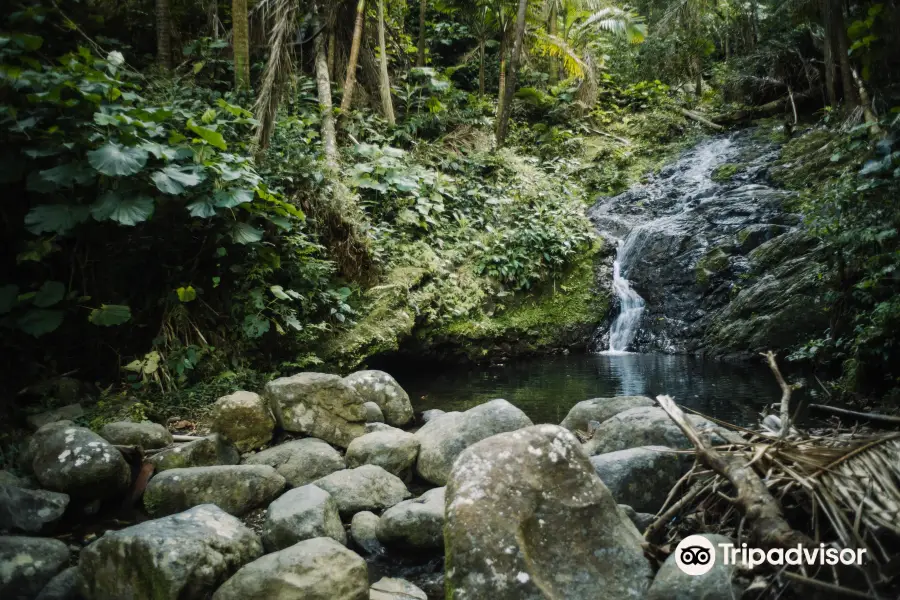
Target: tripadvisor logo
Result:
[696, 555]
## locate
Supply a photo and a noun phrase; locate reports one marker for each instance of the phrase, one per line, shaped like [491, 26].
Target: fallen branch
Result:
[621, 140]
[694, 116]
[785, 394]
[186, 438]
[843, 412]
[770, 108]
[767, 525]
[657, 526]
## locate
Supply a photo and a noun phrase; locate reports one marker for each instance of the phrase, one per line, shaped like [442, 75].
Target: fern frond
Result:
[551, 45]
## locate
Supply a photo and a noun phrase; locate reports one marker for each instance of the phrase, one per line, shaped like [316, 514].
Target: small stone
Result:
[301, 461]
[394, 588]
[30, 511]
[244, 418]
[147, 435]
[65, 413]
[364, 532]
[27, 564]
[368, 487]
[302, 513]
[382, 389]
[415, 524]
[209, 451]
[392, 449]
[373, 413]
[236, 489]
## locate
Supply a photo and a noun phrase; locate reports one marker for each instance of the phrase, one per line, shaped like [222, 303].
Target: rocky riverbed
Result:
[320, 487]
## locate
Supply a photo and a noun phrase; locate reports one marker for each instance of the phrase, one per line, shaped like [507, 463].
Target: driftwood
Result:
[700, 119]
[785, 394]
[843, 412]
[186, 438]
[768, 527]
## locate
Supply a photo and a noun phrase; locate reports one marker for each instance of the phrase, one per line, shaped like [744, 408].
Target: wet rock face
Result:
[180, 557]
[688, 241]
[528, 519]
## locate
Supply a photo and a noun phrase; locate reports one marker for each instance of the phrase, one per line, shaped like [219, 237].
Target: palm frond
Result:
[282, 14]
[551, 45]
[618, 22]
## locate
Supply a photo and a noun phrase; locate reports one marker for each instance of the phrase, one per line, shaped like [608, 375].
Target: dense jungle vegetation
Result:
[197, 192]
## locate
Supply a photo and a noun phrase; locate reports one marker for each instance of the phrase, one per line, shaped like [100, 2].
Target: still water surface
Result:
[547, 387]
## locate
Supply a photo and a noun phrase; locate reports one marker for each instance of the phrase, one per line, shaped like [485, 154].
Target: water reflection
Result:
[546, 388]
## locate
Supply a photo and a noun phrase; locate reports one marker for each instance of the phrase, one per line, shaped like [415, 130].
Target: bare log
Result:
[785, 394]
[767, 525]
[694, 116]
[843, 412]
[770, 108]
[186, 438]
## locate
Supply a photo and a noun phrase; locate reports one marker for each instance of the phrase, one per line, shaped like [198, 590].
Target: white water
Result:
[631, 307]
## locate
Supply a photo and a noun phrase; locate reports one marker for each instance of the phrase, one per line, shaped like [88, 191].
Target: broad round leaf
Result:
[110, 314]
[203, 208]
[49, 294]
[39, 321]
[55, 218]
[172, 180]
[130, 211]
[233, 197]
[243, 233]
[186, 294]
[117, 160]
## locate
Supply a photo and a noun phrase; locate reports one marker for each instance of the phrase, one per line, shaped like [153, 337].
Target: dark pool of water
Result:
[546, 388]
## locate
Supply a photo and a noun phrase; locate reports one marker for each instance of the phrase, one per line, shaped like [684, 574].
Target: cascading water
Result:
[631, 307]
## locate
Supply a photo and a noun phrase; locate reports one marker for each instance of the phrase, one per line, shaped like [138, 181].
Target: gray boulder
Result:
[671, 583]
[301, 514]
[373, 413]
[30, 511]
[244, 418]
[147, 435]
[444, 438]
[27, 564]
[428, 415]
[209, 451]
[373, 427]
[646, 426]
[393, 588]
[601, 409]
[235, 489]
[8, 478]
[383, 390]
[319, 405]
[64, 413]
[316, 569]
[528, 519]
[641, 520]
[180, 557]
[62, 587]
[392, 449]
[78, 462]
[368, 487]
[301, 461]
[415, 524]
[639, 477]
[364, 532]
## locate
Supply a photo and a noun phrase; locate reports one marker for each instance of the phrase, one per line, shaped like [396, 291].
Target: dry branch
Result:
[843, 412]
[785, 394]
[694, 116]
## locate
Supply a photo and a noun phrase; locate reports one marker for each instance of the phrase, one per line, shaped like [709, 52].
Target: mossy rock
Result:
[724, 173]
[713, 262]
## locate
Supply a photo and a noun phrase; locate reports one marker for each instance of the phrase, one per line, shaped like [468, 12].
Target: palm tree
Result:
[240, 29]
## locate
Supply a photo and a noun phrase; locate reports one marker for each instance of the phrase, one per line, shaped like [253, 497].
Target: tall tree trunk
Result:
[553, 29]
[698, 74]
[212, 16]
[163, 35]
[481, 66]
[384, 77]
[829, 51]
[332, 48]
[510, 87]
[350, 80]
[240, 33]
[754, 23]
[420, 56]
[501, 85]
[326, 109]
[843, 48]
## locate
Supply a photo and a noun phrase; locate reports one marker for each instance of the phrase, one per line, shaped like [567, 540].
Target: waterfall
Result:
[631, 307]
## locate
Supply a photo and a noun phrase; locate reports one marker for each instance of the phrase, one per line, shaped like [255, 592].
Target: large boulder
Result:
[319, 405]
[30, 511]
[244, 418]
[78, 462]
[368, 487]
[180, 557]
[27, 564]
[433, 413]
[209, 451]
[300, 461]
[719, 583]
[645, 426]
[601, 409]
[8, 478]
[373, 413]
[445, 437]
[62, 587]
[639, 477]
[383, 390]
[64, 413]
[301, 514]
[235, 489]
[392, 449]
[316, 569]
[393, 588]
[147, 435]
[364, 532]
[528, 519]
[415, 524]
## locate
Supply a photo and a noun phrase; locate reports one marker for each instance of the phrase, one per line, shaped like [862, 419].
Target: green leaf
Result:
[173, 180]
[55, 218]
[278, 292]
[65, 175]
[110, 314]
[129, 211]
[208, 116]
[186, 294]
[160, 151]
[51, 292]
[233, 197]
[244, 233]
[214, 138]
[255, 326]
[40, 321]
[117, 160]
[203, 208]
[8, 295]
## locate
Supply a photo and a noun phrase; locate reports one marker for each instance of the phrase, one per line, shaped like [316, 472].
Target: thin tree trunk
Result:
[510, 86]
[350, 80]
[332, 48]
[840, 31]
[501, 85]
[326, 109]
[553, 29]
[420, 56]
[481, 66]
[868, 112]
[385, 80]
[754, 23]
[698, 73]
[163, 35]
[241, 43]
[829, 51]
